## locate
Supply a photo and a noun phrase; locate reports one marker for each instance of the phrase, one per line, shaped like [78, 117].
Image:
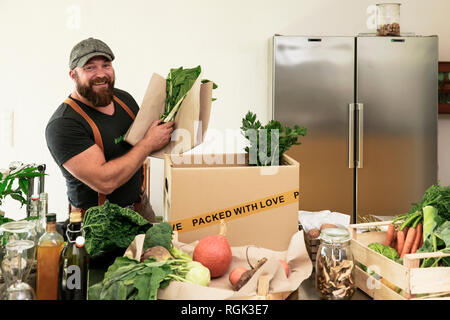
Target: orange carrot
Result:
[416, 243]
[409, 241]
[400, 240]
[390, 235]
[394, 242]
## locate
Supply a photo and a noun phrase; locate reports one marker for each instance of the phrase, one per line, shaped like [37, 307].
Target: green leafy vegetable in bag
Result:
[178, 83]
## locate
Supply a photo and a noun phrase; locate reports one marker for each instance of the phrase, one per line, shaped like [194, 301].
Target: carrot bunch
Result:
[406, 237]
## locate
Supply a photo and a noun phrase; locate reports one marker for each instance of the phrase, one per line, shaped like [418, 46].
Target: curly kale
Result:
[110, 227]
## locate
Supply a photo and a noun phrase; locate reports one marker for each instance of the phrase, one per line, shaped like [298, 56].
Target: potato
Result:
[327, 225]
[314, 233]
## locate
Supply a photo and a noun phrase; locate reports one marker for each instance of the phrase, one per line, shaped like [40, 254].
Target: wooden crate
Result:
[311, 244]
[435, 282]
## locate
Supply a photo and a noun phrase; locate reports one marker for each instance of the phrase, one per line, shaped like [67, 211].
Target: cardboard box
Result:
[191, 121]
[258, 204]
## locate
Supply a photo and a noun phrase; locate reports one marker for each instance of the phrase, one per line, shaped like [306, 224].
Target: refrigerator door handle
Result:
[360, 111]
[351, 135]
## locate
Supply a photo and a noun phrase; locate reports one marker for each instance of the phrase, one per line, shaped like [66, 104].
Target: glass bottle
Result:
[74, 262]
[334, 265]
[34, 212]
[48, 254]
[43, 209]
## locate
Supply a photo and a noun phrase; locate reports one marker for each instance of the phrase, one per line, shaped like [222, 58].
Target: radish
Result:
[236, 274]
[286, 267]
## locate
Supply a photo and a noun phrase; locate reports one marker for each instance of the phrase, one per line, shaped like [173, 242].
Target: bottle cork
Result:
[75, 216]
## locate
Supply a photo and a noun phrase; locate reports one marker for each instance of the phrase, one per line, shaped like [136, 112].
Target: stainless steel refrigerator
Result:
[370, 107]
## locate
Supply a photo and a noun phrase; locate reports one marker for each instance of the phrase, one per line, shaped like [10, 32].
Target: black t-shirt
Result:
[68, 134]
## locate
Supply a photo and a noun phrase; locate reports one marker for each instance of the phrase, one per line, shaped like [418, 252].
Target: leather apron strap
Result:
[97, 136]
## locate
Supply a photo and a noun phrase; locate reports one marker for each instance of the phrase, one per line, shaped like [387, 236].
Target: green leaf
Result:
[18, 197]
[385, 250]
[148, 284]
[117, 291]
[286, 138]
[178, 83]
[94, 291]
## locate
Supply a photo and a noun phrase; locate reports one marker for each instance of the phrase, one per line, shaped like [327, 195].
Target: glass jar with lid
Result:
[334, 265]
[23, 233]
[388, 19]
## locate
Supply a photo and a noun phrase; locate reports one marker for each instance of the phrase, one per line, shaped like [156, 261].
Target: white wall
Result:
[228, 38]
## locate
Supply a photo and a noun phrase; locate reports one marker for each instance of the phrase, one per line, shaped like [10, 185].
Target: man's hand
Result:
[159, 133]
[91, 168]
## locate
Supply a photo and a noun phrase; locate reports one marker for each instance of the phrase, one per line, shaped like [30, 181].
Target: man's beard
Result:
[101, 98]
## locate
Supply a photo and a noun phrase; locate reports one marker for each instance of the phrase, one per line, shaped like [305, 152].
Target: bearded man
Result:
[85, 135]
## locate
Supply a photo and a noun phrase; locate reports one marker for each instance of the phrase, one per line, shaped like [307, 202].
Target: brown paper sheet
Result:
[191, 121]
[151, 108]
[220, 288]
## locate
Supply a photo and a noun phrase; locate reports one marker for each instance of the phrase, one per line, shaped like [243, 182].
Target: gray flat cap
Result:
[86, 49]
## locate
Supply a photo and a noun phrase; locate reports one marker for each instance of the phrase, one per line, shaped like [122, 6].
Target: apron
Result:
[142, 206]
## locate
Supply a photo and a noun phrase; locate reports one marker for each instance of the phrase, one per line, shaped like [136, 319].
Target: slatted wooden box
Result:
[414, 281]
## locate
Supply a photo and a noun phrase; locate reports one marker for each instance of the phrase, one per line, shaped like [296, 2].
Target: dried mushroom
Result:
[335, 278]
[389, 29]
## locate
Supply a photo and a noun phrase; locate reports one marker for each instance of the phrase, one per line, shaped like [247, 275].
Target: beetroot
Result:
[214, 252]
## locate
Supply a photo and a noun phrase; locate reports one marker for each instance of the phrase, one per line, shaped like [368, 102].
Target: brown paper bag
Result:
[220, 288]
[191, 121]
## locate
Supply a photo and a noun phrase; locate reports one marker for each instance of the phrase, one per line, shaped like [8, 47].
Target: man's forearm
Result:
[118, 171]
